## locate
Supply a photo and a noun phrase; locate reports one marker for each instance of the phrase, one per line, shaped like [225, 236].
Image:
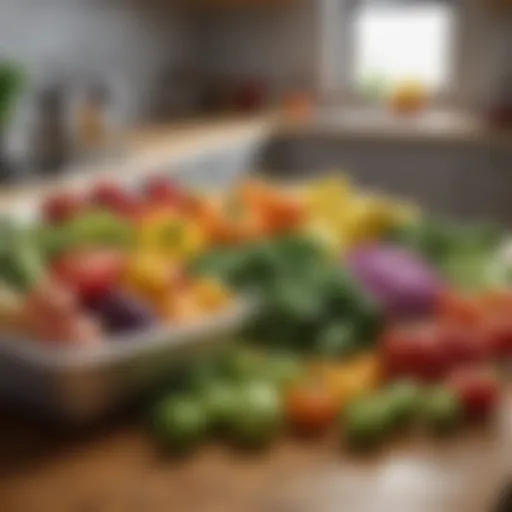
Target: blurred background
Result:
[134, 63]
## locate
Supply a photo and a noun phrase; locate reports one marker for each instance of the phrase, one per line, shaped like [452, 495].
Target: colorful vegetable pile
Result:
[371, 316]
[374, 318]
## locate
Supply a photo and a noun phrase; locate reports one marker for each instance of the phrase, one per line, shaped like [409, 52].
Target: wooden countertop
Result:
[117, 469]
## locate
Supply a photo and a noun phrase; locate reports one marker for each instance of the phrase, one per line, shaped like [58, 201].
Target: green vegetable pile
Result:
[238, 395]
[370, 420]
[308, 303]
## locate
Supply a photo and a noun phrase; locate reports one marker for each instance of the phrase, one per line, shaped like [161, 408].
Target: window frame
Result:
[337, 53]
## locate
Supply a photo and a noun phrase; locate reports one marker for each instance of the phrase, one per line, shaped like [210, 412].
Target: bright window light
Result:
[397, 42]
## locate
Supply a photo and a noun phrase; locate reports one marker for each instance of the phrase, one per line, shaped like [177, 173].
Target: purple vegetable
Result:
[123, 313]
[399, 280]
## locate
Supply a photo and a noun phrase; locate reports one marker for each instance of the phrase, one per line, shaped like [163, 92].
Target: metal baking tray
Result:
[77, 384]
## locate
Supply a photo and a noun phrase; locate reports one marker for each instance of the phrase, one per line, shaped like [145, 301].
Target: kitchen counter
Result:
[116, 468]
[148, 147]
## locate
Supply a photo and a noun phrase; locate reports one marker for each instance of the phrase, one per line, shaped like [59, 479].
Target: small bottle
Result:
[91, 122]
[49, 137]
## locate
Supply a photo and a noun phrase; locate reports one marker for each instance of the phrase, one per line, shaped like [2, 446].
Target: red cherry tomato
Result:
[478, 389]
[312, 407]
[161, 189]
[62, 207]
[416, 351]
[114, 197]
[460, 309]
[498, 336]
[90, 273]
[463, 344]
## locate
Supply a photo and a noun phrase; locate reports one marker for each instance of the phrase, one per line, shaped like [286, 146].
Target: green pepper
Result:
[181, 423]
[21, 263]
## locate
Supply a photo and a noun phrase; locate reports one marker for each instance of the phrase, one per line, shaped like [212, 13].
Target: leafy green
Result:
[11, 82]
[301, 292]
[21, 262]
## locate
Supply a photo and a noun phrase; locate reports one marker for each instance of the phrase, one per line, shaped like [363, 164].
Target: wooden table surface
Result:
[116, 468]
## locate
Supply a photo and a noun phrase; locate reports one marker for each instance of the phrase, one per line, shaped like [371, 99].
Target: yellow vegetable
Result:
[327, 234]
[351, 379]
[210, 293]
[175, 236]
[328, 197]
[148, 273]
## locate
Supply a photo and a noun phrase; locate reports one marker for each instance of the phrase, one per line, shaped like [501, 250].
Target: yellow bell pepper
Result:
[175, 236]
[148, 274]
[210, 294]
[353, 378]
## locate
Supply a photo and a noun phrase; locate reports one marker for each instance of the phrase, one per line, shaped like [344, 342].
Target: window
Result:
[402, 40]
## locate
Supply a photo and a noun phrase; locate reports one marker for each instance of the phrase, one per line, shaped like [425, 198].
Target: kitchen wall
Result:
[285, 44]
[277, 43]
[126, 45]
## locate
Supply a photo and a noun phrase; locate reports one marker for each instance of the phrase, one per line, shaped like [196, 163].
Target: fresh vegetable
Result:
[312, 407]
[243, 363]
[478, 389]
[91, 273]
[123, 313]
[11, 310]
[111, 195]
[338, 340]
[99, 228]
[415, 350]
[181, 423]
[284, 370]
[163, 190]
[404, 399]
[150, 275]
[51, 314]
[62, 207]
[402, 283]
[352, 379]
[170, 234]
[442, 410]
[220, 401]
[366, 422]
[259, 414]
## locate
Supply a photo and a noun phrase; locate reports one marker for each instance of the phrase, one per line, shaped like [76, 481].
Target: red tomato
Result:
[312, 407]
[498, 336]
[90, 273]
[61, 207]
[114, 197]
[162, 189]
[463, 344]
[478, 388]
[459, 309]
[416, 351]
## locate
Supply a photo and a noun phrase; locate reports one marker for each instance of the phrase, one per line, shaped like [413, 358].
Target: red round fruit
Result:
[90, 273]
[415, 351]
[498, 337]
[463, 344]
[115, 198]
[62, 207]
[161, 189]
[478, 389]
[106, 193]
